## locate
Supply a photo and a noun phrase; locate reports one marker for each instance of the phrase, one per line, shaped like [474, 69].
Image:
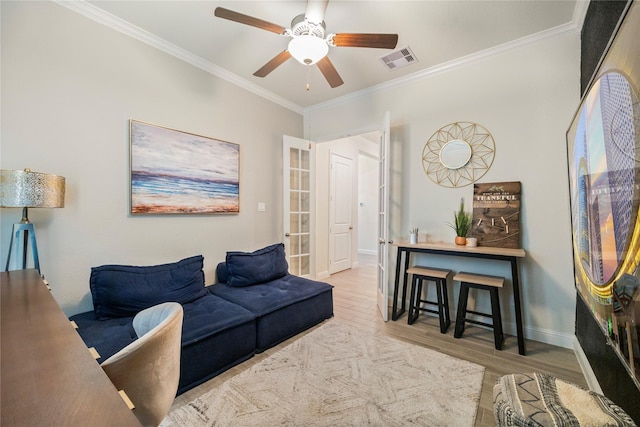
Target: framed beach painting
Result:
[174, 172]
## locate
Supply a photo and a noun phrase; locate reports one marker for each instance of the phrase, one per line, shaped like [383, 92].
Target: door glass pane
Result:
[295, 244]
[294, 204]
[304, 223]
[304, 180]
[293, 223]
[294, 157]
[304, 264]
[304, 244]
[304, 202]
[294, 266]
[304, 162]
[294, 180]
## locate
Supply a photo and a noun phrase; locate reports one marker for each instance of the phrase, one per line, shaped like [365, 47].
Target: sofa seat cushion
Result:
[106, 336]
[284, 307]
[216, 335]
[124, 290]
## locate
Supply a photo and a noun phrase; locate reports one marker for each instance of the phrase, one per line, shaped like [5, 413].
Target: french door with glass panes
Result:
[298, 203]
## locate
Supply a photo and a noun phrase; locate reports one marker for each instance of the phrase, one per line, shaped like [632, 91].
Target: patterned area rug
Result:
[340, 375]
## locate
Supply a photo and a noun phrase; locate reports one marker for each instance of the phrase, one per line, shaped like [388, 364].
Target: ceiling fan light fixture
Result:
[308, 49]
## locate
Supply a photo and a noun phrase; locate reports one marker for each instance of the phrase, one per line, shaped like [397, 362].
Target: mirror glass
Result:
[455, 154]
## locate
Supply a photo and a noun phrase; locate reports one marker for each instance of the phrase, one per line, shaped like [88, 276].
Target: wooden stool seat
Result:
[487, 283]
[439, 277]
[480, 279]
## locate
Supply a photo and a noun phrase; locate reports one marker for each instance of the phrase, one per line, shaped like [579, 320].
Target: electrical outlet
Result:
[262, 207]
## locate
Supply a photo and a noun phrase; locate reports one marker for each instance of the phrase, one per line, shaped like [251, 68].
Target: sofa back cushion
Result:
[222, 273]
[263, 265]
[124, 290]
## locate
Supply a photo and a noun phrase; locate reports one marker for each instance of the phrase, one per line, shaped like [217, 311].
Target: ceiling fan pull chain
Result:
[308, 87]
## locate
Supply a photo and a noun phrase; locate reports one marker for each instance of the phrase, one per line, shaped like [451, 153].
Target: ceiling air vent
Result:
[399, 58]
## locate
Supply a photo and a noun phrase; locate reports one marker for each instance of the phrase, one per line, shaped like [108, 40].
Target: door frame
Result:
[378, 128]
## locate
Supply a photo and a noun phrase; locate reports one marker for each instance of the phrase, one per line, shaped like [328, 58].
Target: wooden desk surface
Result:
[48, 376]
[441, 246]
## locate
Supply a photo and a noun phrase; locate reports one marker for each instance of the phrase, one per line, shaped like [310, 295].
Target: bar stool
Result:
[439, 277]
[487, 283]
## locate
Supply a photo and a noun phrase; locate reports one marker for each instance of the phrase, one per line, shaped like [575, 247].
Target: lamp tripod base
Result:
[29, 235]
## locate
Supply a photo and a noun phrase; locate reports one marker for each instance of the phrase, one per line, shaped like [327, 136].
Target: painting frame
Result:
[168, 175]
[603, 152]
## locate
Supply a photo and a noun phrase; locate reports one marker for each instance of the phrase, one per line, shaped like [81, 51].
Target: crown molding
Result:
[579, 13]
[458, 62]
[98, 15]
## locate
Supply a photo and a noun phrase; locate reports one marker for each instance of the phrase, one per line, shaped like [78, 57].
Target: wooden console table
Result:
[484, 252]
[49, 378]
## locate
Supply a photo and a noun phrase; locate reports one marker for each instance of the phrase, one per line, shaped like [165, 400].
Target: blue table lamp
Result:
[26, 189]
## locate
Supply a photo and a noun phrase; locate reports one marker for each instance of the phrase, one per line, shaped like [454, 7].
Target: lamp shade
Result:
[27, 189]
[308, 49]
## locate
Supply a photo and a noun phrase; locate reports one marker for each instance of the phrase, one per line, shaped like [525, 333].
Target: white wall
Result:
[69, 88]
[70, 85]
[526, 98]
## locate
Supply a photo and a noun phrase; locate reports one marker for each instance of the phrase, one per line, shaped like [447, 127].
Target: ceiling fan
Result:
[309, 43]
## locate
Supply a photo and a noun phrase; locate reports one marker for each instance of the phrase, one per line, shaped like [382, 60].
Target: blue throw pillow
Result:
[251, 268]
[125, 290]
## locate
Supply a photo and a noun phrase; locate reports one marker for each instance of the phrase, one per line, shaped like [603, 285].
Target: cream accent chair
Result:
[148, 369]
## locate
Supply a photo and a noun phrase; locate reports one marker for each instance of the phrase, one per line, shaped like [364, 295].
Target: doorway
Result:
[362, 150]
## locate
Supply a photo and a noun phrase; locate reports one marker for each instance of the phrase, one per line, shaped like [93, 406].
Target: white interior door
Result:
[340, 213]
[383, 219]
[298, 204]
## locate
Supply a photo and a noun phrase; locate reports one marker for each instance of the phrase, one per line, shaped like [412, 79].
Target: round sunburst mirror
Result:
[458, 154]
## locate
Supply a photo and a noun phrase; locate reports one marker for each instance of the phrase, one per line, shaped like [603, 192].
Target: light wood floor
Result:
[354, 299]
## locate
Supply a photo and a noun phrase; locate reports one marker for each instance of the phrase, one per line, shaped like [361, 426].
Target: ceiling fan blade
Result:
[315, 11]
[223, 13]
[273, 64]
[329, 72]
[382, 41]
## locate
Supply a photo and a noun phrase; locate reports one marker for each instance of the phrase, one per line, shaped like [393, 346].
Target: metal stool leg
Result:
[443, 324]
[462, 310]
[498, 335]
[445, 302]
[414, 299]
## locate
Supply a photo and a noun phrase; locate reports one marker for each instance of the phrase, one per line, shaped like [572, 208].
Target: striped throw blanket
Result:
[530, 400]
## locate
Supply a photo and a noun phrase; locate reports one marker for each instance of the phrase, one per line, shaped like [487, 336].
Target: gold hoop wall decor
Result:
[458, 154]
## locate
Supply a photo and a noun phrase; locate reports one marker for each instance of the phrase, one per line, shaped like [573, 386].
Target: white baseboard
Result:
[585, 366]
[367, 252]
[322, 275]
[536, 334]
[559, 339]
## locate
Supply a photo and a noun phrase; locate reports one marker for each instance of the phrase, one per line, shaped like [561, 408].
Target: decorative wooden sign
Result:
[496, 214]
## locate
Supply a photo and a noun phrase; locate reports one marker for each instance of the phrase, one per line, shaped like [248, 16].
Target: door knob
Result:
[287, 234]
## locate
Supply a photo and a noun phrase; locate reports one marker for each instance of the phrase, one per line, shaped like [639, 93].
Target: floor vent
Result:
[399, 58]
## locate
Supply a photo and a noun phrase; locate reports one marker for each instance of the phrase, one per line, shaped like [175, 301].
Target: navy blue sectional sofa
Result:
[256, 305]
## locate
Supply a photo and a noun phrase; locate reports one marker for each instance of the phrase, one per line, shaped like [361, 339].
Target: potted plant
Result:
[461, 224]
